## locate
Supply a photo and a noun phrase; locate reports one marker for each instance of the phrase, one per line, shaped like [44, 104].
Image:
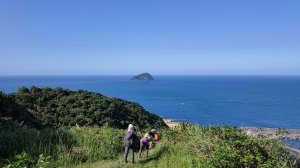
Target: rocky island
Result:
[142, 77]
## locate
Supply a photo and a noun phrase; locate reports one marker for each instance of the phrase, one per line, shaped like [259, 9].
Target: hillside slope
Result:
[62, 107]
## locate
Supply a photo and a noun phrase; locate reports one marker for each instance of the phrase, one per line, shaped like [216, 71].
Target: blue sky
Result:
[166, 37]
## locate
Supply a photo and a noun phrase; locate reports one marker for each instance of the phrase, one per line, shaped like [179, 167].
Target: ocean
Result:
[258, 101]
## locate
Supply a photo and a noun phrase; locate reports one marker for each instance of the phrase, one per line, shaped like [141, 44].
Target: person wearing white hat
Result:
[129, 139]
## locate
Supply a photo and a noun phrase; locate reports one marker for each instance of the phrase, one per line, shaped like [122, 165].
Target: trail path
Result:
[154, 155]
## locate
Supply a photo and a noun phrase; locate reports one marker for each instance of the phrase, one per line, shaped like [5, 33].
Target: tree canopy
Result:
[56, 107]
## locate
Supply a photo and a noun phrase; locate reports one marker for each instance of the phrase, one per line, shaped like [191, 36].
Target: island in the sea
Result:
[142, 77]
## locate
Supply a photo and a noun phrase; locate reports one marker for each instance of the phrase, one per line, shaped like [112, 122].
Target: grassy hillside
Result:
[187, 146]
[209, 147]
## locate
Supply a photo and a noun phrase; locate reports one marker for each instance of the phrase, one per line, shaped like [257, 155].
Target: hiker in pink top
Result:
[146, 141]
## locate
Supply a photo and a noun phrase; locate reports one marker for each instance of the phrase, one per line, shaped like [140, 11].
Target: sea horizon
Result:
[255, 101]
[171, 75]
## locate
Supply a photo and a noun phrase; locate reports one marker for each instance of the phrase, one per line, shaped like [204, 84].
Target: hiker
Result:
[129, 138]
[156, 137]
[146, 142]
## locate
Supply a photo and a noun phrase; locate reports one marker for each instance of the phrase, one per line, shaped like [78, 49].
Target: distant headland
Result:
[142, 77]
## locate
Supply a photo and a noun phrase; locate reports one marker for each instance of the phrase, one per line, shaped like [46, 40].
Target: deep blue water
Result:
[292, 143]
[260, 101]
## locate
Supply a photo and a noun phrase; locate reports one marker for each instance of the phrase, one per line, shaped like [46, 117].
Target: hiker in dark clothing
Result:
[129, 138]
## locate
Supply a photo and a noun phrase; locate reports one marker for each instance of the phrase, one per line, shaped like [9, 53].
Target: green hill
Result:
[63, 107]
[12, 111]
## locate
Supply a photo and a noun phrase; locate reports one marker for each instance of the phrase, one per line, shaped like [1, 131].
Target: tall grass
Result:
[65, 146]
[34, 142]
[94, 144]
[226, 147]
[209, 147]
[187, 146]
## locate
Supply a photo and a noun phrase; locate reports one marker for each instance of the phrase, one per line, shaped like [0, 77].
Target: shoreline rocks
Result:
[273, 133]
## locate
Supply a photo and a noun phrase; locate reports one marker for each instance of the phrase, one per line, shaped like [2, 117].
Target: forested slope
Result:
[62, 107]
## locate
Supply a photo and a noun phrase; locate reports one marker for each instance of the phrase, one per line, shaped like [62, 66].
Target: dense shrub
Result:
[61, 107]
[15, 112]
[226, 147]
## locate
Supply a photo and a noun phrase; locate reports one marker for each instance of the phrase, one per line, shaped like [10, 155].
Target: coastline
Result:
[276, 133]
[272, 133]
[171, 123]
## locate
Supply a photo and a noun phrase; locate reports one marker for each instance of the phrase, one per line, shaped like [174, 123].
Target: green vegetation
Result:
[9, 108]
[61, 107]
[187, 146]
[65, 146]
[282, 131]
[209, 147]
[63, 128]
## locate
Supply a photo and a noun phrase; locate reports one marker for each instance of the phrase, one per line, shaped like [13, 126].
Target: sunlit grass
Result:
[187, 146]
